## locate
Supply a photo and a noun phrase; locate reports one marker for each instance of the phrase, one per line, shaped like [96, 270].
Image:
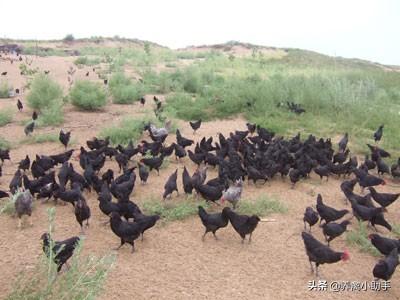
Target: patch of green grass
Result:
[6, 116]
[129, 129]
[262, 206]
[51, 116]
[359, 238]
[123, 90]
[87, 95]
[44, 93]
[4, 89]
[173, 210]
[4, 144]
[83, 280]
[41, 138]
[87, 61]
[396, 230]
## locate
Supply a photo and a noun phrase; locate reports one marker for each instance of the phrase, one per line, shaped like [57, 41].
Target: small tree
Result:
[69, 38]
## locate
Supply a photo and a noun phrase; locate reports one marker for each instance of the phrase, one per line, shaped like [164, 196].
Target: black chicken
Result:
[383, 199]
[29, 128]
[24, 164]
[333, 230]
[195, 125]
[64, 138]
[82, 212]
[187, 181]
[311, 217]
[378, 134]
[327, 213]
[126, 231]
[171, 186]
[62, 250]
[242, 224]
[383, 244]
[320, 253]
[385, 268]
[213, 222]
[143, 173]
[19, 105]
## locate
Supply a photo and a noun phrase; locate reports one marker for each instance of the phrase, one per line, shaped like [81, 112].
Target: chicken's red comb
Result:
[383, 182]
[346, 255]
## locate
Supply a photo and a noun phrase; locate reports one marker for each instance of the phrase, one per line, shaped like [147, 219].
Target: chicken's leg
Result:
[215, 236]
[312, 268]
[19, 223]
[250, 238]
[122, 242]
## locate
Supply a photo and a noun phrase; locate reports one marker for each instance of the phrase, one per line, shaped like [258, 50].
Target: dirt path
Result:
[173, 262]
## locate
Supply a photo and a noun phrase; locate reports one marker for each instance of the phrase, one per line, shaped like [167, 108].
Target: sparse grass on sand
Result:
[172, 210]
[358, 237]
[83, 280]
[41, 138]
[6, 116]
[261, 206]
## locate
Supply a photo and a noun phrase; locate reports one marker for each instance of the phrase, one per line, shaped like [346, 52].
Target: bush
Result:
[129, 129]
[123, 90]
[83, 280]
[52, 115]
[69, 38]
[44, 93]
[4, 89]
[5, 116]
[87, 95]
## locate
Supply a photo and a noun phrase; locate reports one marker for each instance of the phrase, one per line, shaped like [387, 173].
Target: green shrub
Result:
[87, 95]
[128, 130]
[4, 89]
[52, 115]
[123, 91]
[69, 38]
[44, 92]
[5, 116]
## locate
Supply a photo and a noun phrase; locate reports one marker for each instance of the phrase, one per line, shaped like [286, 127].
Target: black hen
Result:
[311, 217]
[62, 250]
[242, 224]
[378, 134]
[213, 222]
[383, 244]
[385, 268]
[327, 213]
[171, 186]
[320, 253]
[64, 138]
[126, 231]
[195, 125]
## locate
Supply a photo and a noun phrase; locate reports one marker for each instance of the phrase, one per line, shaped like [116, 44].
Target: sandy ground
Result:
[173, 262]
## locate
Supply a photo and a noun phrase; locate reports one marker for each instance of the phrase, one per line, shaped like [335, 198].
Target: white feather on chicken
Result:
[160, 132]
[23, 205]
[233, 193]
